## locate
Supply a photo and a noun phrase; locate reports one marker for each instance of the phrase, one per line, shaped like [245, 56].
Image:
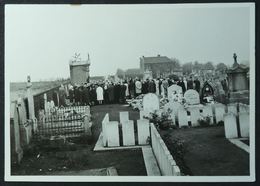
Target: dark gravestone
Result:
[207, 92]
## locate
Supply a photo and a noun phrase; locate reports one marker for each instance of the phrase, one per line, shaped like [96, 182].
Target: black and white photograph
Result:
[130, 92]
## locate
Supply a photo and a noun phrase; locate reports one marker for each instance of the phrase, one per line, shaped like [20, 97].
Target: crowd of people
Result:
[107, 92]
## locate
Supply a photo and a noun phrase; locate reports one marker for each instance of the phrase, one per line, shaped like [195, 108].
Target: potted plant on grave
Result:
[165, 122]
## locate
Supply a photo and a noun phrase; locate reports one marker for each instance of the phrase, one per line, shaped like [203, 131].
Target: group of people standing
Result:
[107, 92]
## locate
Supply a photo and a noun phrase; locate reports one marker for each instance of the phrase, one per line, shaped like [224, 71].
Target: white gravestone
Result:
[151, 102]
[104, 132]
[194, 115]
[173, 91]
[182, 117]
[219, 112]
[112, 133]
[192, 97]
[173, 108]
[243, 108]
[123, 116]
[207, 112]
[232, 108]
[143, 131]
[128, 133]
[230, 125]
[244, 124]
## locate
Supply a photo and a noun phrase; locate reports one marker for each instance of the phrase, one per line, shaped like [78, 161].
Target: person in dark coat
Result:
[85, 95]
[151, 86]
[190, 84]
[71, 94]
[160, 86]
[182, 85]
[131, 88]
[122, 93]
[93, 95]
[77, 95]
[110, 91]
[197, 85]
[145, 87]
[81, 95]
[117, 92]
[105, 88]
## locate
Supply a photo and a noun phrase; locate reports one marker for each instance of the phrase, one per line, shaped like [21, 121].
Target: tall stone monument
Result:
[79, 70]
[238, 82]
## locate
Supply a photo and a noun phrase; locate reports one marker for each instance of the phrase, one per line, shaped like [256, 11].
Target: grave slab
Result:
[143, 131]
[244, 124]
[230, 125]
[112, 133]
[128, 133]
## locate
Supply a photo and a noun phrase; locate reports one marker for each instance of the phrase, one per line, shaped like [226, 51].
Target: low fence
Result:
[164, 158]
[67, 121]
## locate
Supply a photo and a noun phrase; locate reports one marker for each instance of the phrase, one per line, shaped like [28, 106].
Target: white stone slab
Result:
[219, 112]
[232, 108]
[207, 112]
[123, 117]
[230, 125]
[192, 97]
[143, 131]
[243, 108]
[104, 132]
[194, 115]
[182, 117]
[112, 133]
[128, 133]
[244, 124]
[151, 102]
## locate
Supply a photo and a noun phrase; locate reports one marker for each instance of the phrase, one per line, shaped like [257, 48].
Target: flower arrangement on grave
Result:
[204, 121]
[160, 120]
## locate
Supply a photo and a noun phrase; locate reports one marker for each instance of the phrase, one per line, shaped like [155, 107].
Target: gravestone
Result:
[182, 117]
[105, 122]
[173, 108]
[112, 133]
[128, 133]
[194, 115]
[143, 131]
[219, 112]
[244, 124]
[192, 97]
[207, 112]
[243, 108]
[151, 102]
[230, 125]
[123, 116]
[232, 108]
[173, 91]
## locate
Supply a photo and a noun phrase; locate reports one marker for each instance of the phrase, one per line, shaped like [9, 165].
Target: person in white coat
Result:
[100, 94]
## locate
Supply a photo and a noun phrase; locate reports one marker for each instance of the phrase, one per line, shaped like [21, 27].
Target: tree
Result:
[221, 67]
[187, 68]
[209, 66]
[120, 73]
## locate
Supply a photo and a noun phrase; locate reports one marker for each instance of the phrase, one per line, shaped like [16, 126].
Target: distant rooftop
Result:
[157, 59]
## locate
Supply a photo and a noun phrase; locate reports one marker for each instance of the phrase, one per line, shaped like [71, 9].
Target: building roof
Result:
[157, 59]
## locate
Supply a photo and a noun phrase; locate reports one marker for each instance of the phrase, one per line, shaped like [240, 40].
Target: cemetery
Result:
[172, 132]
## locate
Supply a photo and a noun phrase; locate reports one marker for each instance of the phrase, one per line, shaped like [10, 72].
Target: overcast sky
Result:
[41, 39]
